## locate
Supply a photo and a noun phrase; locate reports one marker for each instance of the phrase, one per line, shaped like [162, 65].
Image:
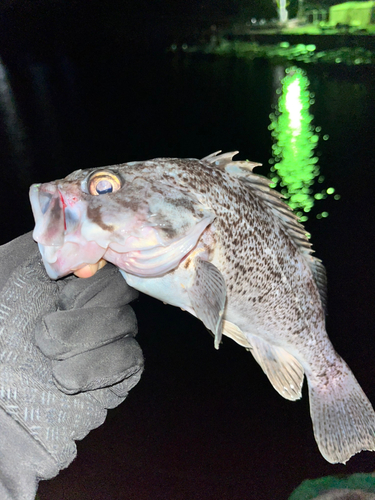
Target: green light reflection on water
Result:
[294, 164]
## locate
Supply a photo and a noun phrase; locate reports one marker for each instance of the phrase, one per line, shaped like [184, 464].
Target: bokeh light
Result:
[294, 162]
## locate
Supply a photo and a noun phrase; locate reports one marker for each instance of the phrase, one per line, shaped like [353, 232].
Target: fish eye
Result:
[103, 183]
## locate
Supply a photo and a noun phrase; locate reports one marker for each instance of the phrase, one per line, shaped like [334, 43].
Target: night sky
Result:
[76, 25]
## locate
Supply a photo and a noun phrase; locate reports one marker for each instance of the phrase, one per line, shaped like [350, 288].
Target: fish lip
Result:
[47, 205]
[55, 258]
[34, 201]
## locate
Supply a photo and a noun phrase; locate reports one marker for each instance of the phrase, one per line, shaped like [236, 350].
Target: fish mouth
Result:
[71, 242]
[62, 253]
[48, 208]
[83, 259]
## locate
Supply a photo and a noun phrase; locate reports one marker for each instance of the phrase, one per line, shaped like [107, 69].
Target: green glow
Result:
[294, 164]
[295, 141]
[299, 52]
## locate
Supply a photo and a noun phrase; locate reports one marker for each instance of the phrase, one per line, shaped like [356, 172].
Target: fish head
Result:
[132, 215]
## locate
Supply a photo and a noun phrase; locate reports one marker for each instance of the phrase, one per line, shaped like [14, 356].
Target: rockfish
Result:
[212, 238]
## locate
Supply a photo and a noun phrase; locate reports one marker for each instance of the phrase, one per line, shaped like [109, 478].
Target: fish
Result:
[211, 237]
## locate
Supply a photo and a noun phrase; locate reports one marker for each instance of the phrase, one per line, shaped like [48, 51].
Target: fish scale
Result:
[211, 237]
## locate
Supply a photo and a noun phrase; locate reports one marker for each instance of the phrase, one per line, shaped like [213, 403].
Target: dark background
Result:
[91, 83]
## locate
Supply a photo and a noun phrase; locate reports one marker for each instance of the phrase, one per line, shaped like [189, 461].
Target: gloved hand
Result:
[67, 354]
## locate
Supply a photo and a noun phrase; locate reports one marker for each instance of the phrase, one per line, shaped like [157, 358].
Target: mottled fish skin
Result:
[210, 236]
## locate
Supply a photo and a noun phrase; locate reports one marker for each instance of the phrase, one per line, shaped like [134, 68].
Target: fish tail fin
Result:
[343, 418]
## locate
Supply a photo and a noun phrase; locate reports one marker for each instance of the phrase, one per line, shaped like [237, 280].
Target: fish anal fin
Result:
[232, 331]
[208, 295]
[282, 369]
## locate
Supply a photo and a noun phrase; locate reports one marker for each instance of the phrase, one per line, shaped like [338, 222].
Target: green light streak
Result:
[295, 165]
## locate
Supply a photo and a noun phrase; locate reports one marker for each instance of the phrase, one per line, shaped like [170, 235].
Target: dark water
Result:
[201, 424]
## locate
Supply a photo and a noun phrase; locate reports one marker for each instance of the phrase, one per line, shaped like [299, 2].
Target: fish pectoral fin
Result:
[208, 295]
[232, 331]
[282, 369]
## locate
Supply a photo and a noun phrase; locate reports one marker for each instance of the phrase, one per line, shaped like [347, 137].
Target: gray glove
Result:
[67, 354]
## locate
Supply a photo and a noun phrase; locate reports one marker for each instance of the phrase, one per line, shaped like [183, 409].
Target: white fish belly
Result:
[170, 288]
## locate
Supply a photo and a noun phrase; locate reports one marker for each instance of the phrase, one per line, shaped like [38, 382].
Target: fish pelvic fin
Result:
[208, 295]
[282, 369]
[342, 416]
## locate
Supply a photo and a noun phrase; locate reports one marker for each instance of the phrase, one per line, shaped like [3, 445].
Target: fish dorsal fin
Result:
[224, 161]
[282, 369]
[320, 277]
[273, 200]
[232, 331]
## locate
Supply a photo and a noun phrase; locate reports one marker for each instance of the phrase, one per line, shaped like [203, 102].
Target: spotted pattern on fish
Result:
[211, 237]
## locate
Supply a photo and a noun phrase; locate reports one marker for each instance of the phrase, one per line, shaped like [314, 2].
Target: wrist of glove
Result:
[68, 354]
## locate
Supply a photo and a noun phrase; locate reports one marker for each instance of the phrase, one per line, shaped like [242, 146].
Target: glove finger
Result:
[63, 334]
[107, 286]
[110, 397]
[99, 368]
[122, 388]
